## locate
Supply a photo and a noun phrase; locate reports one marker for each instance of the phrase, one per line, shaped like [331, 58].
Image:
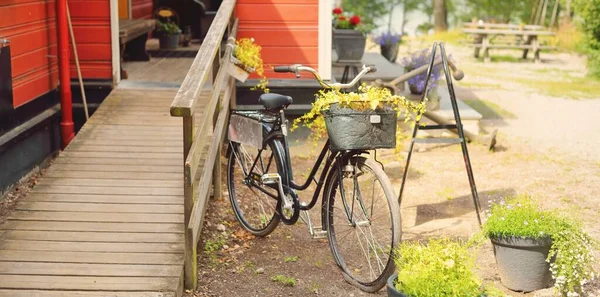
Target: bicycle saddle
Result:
[272, 100]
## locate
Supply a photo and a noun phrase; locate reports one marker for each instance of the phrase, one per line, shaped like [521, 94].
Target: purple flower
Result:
[388, 38]
[416, 60]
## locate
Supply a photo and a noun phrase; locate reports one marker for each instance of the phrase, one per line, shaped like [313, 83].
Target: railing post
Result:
[190, 269]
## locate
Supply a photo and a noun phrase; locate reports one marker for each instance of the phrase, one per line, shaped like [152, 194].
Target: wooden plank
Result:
[79, 269]
[97, 207]
[112, 199]
[65, 216]
[62, 164]
[111, 182]
[52, 173]
[94, 227]
[118, 155]
[103, 247]
[88, 283]
[125, 148]
[118, 161]
[185, 99]
[39, 293]
[90, 257]
[127, 142]
[105, 130]
[107, 190]
[132, 128]
[91, 236]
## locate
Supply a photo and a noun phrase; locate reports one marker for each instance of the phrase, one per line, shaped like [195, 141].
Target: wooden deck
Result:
[107, 217]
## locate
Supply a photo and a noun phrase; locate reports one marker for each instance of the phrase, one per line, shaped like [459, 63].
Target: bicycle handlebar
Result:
[297, 68]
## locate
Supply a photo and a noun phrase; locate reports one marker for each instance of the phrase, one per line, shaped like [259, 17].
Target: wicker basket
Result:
[349, 129]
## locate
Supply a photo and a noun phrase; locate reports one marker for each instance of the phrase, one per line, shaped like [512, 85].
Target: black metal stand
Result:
[458, 126]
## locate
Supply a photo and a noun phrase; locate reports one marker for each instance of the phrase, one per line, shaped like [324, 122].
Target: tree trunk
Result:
[440, 16]
[554, 14]
[568, 11]
[403, 19]
[390, 15]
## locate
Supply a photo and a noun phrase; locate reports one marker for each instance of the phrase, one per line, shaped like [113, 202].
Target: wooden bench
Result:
[133, 35]
[525, 38]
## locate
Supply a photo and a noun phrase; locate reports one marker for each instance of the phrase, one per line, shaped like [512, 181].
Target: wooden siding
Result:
[30, 25]
[287, 30]
[91, 27]
[31, 28]
[142, 9]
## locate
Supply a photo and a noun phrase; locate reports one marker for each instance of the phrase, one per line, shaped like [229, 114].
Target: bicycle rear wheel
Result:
[363, 224]
[255, 205]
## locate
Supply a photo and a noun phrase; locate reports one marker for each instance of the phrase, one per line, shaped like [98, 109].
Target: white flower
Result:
[502, 218]
[526, 223]
[535, 221]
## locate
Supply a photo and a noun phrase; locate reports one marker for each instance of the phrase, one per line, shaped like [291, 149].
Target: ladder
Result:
[457, 126]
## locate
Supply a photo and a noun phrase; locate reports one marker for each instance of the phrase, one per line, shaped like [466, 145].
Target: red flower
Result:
[355, 20]
[337, 10]
[342, 18]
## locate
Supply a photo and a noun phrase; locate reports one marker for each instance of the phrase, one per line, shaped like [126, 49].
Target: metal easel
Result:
[458, 126]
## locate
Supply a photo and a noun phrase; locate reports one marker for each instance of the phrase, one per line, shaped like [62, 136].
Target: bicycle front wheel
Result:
[255, 205]
[363, 222]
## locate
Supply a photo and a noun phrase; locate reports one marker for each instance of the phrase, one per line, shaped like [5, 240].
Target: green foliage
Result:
[167, 28]
[367, 97]
[212, 246]
[369, 11]
[291, 259]
[442, 268]
[589, 10]
[284, 280]
[572, 248]
[500, 11]
[248, 54]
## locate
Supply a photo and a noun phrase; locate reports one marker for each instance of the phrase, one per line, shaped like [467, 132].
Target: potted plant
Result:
[348, 40]
[245, 59]
[365, 119]
[168, 35]
[441, 268]
[533, 246]
[415, 60]
[389, 43]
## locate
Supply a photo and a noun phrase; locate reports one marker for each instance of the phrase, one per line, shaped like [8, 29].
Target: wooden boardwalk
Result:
[107, 217]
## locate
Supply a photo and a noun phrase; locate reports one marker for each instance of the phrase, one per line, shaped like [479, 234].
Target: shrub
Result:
[589, 10]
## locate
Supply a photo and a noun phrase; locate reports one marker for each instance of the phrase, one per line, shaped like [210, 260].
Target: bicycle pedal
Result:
[270, 178]
[318, 233]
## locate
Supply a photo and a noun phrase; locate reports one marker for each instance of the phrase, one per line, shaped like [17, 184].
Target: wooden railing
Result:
[202, 169]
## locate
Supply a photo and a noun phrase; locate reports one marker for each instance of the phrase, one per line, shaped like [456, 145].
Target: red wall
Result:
[31, 28]
[30, 25]
[91, 27]
[287, 30]
[142, 9]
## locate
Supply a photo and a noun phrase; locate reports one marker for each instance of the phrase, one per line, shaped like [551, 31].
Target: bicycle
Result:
[263, 192]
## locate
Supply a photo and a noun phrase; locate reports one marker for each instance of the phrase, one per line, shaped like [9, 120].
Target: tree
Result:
[369, 11]
[407, 6]
[440, 16]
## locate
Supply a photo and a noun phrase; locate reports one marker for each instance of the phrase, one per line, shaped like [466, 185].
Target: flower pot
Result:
[349, 129]
[391, 289]
[414, 89]
[522, 262]
[237, 70]
[169, 41]
[390, 51]
[349, 44]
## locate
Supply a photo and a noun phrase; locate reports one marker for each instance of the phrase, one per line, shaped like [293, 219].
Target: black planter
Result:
[522, 263]
[390, 51]
[349, 44]
[169, 41]
[391, 289]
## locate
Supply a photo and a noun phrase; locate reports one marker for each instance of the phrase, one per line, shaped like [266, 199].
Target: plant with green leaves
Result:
[248, 55]
[367, 97]
[571, 253]
[589, 10]
[440, 268]
[167, 28]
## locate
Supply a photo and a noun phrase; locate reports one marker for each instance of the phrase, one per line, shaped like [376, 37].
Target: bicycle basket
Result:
[349, 129]
[247, 127]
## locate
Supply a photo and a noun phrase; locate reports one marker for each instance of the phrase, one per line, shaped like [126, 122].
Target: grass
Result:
[291, 259]
[479, 85]
[489, 110]
[565, 86]
[284, 280]
[451, 37]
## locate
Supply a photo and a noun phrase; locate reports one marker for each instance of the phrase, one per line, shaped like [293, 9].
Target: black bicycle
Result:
[359, 211]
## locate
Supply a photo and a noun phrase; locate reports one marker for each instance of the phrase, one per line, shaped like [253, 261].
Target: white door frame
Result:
[325, 39]
[114, 40]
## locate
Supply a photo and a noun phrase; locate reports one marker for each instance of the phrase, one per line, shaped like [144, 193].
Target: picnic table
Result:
[525, 38]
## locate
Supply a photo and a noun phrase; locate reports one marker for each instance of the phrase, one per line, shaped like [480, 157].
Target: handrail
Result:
[189, 92]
